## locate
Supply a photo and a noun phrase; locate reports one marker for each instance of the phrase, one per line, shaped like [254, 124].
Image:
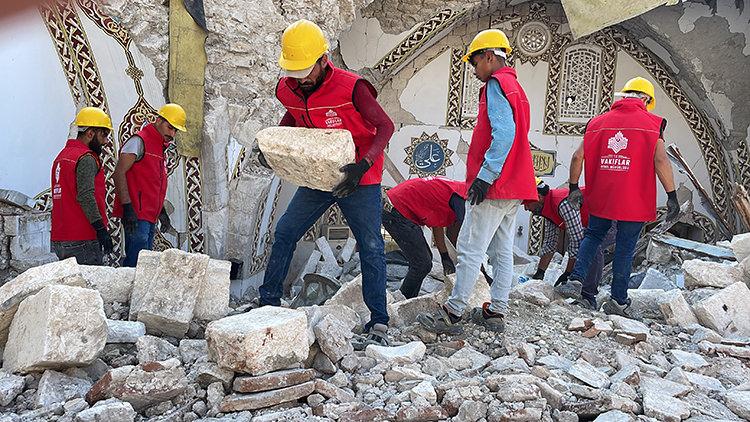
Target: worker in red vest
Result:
[79, 218]
[141, 180]
[317, 94]
[499, 175]
[560, 218]
[434, 202]
[623, 153]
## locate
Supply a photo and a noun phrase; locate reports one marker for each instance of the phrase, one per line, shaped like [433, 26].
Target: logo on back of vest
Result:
[616, 162]
[618, 142]
[333, 119]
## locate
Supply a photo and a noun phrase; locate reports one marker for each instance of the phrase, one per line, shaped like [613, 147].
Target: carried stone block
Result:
[166, 290]
[307, 157]
[213, 298]
[31, 281]
[59, 327]
[727, 311]
[259, 341]
[114, 284]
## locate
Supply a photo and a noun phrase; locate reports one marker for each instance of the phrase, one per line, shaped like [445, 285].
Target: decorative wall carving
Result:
[580, 88]
[428, 155]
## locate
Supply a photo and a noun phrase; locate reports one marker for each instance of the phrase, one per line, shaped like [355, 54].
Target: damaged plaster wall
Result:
[241, 74]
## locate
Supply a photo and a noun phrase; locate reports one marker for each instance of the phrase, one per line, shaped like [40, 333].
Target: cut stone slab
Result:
[588, 374]
[664, 407]
[111, 410]
[154, 349]
[59, 327]
[331, 391]
[333, 338]
[124, 331]
[213, 298]
[114, 284]
[31, 281]
[739, 403]
[10, 387]
[141, 386]
[272, 380]
[630, 326]
[408, 353]
[655, 279]
[687, 360]
[307, 157]
[727, 311]
[259, 341]
[240, 402]
[676, 310]
[166, 290]
[55, 387]
[700, 273]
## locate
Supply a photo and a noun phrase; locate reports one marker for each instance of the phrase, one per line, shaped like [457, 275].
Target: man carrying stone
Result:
[141, 180]
[500, 174]
[435, 202]
[317, 94]
[79, 218]
[623, 151]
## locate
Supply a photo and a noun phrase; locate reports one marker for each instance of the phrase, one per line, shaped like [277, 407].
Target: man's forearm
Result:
[663, 167]
[576, 165]
[544, 262]
[438, 236]
[86, 171]
[121, 184]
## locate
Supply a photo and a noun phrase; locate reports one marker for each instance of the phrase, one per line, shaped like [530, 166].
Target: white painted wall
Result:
[366, 43]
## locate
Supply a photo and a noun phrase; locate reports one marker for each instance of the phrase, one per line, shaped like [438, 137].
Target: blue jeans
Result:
[141, 238]
[362, 210]
[622, 263]
[590, 286]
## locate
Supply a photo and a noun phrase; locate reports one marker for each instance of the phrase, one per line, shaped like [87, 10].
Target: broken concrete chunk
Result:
[259, 341]
[676, 310]
[739, 403]
[31, 281]
[580, 324]
[408, 353]
[240, 402]
[333, 338]
[272, 380]
[687, 360]
[472, 358]
[630, 327]
[699, 273]
[629, 374]
[740, 245]
[588, 374]
[166, 290]
[307, 157]
[665, 408]
[342, 313]
[207, 373]
[124, 331]
[192, 349]
[152, 349]
[654, 279]
[654, 385]
[114, 284]
[727, 311]
[55, 387]
[59, 327]
[111, 410]
[537, 292]
[213, 298]
[10, 387]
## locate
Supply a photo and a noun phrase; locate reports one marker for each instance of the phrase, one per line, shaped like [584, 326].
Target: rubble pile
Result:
[161, 343]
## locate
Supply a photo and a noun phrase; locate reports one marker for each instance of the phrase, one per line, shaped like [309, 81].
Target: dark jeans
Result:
[590, 286]
[362, 210]
[622, 264]
[410, 238]
[141, 238]
[86, 252]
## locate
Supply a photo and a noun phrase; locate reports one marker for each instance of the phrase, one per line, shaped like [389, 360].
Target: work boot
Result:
[488, 319]
[570, 289]
[378, 335]
[442, 322]
[611, 307]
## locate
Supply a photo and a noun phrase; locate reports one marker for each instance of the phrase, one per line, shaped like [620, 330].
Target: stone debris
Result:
[408, 353]
[10, 387]
[699, 273]
[239, 402]
[726, 311]
[212, 302]
[114, 284]
[124, 331]
[152, 349]
[307, 157]
[55, 387]
[111, 410]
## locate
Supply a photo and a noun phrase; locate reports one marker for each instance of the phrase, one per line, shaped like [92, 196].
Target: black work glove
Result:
[353, 173]
[102, 235]
[539, 274]
[477, 191]
[129, 219]
[486, 276]
[562, 279]
[673, 206]
[261, 158]
[575, 196]
[448, 267]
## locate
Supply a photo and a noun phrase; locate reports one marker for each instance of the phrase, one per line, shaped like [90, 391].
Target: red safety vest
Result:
[147, 178]
[425, 202]
[331, 107]
[516, 180]
[551, 208]
[69, 223]
[618, 149]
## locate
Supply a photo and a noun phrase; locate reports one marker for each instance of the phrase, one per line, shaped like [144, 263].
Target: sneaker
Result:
[441, 322]
[488, 319]
[587, 303]
[569, 290]
[378, 335]
[611, 307]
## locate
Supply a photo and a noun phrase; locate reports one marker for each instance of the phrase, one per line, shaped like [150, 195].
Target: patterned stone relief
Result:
[261, 256]
[579, 93]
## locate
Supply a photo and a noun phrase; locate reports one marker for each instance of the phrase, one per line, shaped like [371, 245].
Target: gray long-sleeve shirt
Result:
[86, 171]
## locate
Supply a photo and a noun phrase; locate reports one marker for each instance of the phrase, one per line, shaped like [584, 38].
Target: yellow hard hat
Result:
[302, 44]
[538, 180]
[489, 38]
[93, 117]
[643, 85]
[175, 115]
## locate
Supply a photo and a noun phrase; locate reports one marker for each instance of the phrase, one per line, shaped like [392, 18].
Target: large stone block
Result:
[741, 246]
[166, 290]
[31, 281]
[654, 279]
[213, 299]
[114, 284]
[59, 327]
[350, 294]
[699, 273]
[308, 157]
[727, 311]
[316, 313]
[676, 310]
[259, 341]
